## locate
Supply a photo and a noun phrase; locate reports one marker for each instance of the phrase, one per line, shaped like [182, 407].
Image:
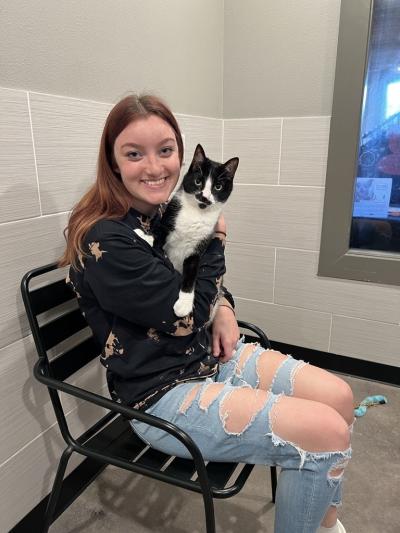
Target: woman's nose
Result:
[153, 166]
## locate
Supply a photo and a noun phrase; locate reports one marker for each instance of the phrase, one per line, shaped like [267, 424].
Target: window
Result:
[361, 227]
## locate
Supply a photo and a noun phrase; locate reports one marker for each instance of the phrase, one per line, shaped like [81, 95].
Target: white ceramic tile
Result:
[66, 134]
[249, 271]
[275, 216]
[29, 411]
[204, 131]
[19, 196]
[257, 144]
[25, 244]
[290, 325]
[297, 284]
[366, 340]
[304, 151]
[29, 474]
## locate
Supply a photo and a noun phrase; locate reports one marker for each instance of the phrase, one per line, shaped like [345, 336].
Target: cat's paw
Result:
[184, 304]
[148, 238]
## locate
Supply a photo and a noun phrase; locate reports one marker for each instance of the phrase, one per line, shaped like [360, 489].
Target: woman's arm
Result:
[130, 281]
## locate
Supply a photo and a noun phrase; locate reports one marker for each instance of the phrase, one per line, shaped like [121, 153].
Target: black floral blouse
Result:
[126, 290]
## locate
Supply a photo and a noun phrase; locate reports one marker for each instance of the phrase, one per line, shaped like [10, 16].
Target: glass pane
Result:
[376, 202]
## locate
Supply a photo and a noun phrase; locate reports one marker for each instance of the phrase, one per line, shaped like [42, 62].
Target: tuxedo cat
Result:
[188, 223]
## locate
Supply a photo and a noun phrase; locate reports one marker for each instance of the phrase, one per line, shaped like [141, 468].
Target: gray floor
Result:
[120, 502]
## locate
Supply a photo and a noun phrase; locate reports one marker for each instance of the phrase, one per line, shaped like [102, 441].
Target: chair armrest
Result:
[264, 341]
[124, 410]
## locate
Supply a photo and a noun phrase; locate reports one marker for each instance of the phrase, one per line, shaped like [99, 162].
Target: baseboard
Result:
[341, 363]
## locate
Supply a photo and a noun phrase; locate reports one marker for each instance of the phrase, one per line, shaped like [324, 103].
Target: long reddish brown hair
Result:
[108, 197]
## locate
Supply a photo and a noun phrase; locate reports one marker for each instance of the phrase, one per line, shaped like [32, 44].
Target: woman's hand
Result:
[225, 333]
[221, 224]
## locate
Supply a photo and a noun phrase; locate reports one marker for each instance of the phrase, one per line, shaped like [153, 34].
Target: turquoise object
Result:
[369, 401]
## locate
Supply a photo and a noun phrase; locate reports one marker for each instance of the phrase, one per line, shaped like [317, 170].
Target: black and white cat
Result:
[188, 223]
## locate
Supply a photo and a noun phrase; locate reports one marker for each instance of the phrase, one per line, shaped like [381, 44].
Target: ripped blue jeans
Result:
[308, 483]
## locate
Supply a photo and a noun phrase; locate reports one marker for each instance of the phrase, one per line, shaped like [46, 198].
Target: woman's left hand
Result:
[225, 333]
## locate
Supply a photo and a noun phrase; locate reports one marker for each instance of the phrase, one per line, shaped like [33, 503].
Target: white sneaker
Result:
[337, 528]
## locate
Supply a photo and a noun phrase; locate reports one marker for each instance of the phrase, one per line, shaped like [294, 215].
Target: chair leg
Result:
[55, 492]
[209, 512]
[273, 482]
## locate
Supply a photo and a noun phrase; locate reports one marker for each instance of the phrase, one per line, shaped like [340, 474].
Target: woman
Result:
[238, 402]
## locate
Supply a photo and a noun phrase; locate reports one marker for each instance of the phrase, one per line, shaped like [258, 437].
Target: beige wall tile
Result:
[365, 339]
[19, 197]
[250, 271]
[291, 325]
[66, 134]
[257, 144]
[275, 216]
[304, 151]
[29, 474]
[25, 244]
[204, 131]
[297, 284]
[29, 411]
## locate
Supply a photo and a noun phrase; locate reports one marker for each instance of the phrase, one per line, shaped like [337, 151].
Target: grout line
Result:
[272, 246]
[34, 153]
[319, 187]
[280, 153]
[279, 117]
[33, 218]
[72, 98]
[274, 277]
[223, 142]
[330, 333]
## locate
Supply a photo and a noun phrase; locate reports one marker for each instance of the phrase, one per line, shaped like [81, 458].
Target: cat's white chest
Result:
[191, 227]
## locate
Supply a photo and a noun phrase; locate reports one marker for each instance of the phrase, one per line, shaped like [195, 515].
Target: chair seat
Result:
[118, 439]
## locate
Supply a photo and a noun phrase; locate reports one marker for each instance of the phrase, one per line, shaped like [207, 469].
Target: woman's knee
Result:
[312, 426]
[344, 401]
[316, 384]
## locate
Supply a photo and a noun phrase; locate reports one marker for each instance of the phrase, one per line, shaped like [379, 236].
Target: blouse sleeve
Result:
[132, 282]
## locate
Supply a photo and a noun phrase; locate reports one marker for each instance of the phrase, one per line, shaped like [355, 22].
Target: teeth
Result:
[154, 182]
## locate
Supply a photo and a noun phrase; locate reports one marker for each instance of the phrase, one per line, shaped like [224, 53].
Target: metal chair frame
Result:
[110, 440]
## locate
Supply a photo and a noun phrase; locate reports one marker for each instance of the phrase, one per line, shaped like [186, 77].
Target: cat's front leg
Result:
[184, 304]
[148, 238]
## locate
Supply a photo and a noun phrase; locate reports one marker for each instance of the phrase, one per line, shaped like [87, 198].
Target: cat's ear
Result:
[199, 156]
[231, 166]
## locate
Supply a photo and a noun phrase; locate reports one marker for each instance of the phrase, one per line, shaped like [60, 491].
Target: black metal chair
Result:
[54, 317]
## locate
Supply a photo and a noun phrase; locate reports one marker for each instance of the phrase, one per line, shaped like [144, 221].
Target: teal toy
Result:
[369, 401]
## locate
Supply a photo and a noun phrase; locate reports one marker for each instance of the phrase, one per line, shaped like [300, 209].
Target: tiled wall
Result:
[48, 149]
[274, 222]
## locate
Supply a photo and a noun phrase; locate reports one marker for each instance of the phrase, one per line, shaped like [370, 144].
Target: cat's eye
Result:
[198, 182]
[218, 187]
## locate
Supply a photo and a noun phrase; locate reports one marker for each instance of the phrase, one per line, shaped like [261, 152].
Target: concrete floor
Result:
[121, 502]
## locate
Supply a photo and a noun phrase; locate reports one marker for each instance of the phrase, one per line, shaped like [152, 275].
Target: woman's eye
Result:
[134, 154]
[166, 151]
[197, 182]
[218, 187]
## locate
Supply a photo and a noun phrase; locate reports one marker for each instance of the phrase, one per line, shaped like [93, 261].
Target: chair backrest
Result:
[59, 329]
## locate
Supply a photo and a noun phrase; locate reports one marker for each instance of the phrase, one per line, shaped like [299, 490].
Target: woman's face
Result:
[147, 158]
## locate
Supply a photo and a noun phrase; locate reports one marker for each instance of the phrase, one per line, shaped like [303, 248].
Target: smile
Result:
[155, 183]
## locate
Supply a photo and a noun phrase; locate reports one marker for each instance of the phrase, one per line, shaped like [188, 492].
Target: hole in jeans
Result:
[239, 408]
[209, 394]
[189, 398]
[244, 357]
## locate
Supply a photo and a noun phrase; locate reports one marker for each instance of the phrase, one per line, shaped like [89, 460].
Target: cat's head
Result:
[208, 182]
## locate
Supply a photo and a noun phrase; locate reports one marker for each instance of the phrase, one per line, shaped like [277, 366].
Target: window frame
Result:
[336, 258]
